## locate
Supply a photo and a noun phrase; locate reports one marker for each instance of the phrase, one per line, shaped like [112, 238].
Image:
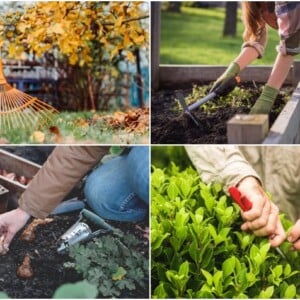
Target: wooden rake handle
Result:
[2, 77]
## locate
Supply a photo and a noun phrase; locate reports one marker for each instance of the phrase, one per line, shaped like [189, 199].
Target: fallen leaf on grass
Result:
[132, 121]
[55, 130]
[37, 137]
[82, 123]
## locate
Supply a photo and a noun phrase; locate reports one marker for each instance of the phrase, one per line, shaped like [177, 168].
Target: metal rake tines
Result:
[21, 111]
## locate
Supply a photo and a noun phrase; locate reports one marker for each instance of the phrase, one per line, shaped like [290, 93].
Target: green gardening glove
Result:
[265, 101]
[226, 82]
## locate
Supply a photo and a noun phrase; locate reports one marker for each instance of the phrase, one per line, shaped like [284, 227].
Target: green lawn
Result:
[195, 37]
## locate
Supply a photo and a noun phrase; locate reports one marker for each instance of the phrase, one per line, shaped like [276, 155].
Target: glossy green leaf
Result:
[228, 266]
[172, 190]
[266, 293]
[290, 292]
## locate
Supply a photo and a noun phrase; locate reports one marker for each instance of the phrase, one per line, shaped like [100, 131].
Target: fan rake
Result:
[21, 111]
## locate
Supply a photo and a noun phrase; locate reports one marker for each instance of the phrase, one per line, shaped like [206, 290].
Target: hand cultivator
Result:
[217, 92]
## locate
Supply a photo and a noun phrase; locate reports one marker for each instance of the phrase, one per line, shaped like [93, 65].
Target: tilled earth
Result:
[171, 126]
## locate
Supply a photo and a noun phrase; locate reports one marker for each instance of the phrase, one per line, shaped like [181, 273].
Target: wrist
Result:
[248, 181]
[22, 214]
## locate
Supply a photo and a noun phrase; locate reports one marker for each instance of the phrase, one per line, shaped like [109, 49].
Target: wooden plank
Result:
[247, 129]
[286, 129]
[174, 75]
[296, 72]
[155, 44]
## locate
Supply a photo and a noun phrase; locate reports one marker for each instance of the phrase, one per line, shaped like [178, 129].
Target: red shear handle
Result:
[243, 202]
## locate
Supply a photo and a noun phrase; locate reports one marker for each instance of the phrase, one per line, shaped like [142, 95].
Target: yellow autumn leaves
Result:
[74, 28]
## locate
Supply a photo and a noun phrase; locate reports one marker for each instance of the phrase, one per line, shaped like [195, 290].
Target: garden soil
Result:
[171, 126]
[48, 266]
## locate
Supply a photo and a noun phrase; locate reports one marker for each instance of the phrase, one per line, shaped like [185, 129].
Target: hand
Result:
[263, 218]
[227, 81]
[294, 236]
[264, 103]
[10, 223]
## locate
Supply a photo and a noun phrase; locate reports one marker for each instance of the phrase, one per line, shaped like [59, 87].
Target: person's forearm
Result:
[246, 57]
[280, 70]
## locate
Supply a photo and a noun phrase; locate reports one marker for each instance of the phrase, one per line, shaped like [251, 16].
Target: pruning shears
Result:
[245, 204]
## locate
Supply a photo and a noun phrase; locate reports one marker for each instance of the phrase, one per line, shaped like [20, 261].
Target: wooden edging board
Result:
[174, 75]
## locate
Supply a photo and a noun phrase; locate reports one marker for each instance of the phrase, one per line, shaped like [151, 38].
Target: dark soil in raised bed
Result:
[170, 126]
[47, 264]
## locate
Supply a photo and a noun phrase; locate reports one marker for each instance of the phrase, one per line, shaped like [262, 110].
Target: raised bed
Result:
[13, 164]
[254, 129]
[170, 126]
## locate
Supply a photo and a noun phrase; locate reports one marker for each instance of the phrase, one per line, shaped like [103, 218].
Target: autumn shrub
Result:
[199, 251]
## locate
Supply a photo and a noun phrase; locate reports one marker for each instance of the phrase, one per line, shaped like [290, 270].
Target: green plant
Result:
[199, 251]
[80, 289]
[112, 264]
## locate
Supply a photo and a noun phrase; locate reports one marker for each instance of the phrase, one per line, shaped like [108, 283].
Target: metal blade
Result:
[280, 253]
[180, 97]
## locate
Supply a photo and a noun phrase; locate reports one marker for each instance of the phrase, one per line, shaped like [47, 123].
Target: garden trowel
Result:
[81, 231]
[218, 91]
[245, 204]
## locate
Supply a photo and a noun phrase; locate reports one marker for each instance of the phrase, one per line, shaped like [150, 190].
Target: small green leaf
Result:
[172, 191]
[228, 266]
[184, 269]
[160, 291]
[290, 292]
[185, 187]
[267, 293]
[208, 277]
[217, 280]
[119, 274]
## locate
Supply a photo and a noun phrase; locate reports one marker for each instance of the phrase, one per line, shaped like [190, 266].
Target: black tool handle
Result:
[226, 87]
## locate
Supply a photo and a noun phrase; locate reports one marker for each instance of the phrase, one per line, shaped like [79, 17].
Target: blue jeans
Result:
[119, 189]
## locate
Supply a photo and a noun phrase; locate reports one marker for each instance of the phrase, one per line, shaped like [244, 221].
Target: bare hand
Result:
[10, 223]
[263, 218]
[294, 236]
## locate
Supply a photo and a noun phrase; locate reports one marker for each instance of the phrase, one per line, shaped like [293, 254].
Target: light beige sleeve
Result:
[223, 164]
[61, 172]
[259, 44]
